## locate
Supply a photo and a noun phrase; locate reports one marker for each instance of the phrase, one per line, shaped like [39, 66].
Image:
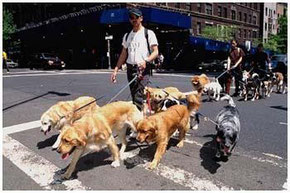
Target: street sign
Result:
[109, 37]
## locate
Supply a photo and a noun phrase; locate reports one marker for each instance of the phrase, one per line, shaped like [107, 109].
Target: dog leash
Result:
[123, 89]
[88, 104]
[208, 118]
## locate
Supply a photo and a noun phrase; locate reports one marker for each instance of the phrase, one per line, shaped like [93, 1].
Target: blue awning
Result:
[153, 15]
[208, 44]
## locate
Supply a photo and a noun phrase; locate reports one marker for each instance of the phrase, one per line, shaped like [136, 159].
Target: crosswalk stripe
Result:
[36, 167]
[180, 176]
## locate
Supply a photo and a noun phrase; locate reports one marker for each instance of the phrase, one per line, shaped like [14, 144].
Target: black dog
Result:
[228, 128]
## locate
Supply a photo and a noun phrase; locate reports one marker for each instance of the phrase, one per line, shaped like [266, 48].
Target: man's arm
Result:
[238, 62]
[154, 54]
[229, 64]
[121, 61]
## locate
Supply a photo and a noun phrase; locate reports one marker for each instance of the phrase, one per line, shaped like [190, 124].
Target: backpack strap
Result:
[146, 36]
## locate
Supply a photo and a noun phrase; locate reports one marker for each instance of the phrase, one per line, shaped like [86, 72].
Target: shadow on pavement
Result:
[31, 99]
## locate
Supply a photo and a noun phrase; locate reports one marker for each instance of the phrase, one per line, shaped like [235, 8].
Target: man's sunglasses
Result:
[133, 17]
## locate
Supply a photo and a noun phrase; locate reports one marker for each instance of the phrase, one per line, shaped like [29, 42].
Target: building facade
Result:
[269, 22]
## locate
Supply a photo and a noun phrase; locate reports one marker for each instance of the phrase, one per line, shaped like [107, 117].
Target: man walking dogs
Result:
[140, 47]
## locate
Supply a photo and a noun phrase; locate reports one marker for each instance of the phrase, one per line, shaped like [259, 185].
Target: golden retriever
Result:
[94, 131]
[65, 111]
[160, 126]
[199, 81]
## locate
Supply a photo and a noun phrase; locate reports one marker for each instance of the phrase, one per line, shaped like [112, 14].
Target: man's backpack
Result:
[151, 65]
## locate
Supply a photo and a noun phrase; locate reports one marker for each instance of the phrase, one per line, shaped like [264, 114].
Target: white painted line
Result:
[272, 155]
[282, 123]
[56, 74]
[180, 176]
[36, 167]
[21, 127]
[35, 124]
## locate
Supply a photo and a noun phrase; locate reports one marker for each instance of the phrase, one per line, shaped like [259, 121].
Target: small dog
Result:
[251, 83]
[160, 99]
[63, 112]
[199, 81]
[279, 82]
[213, 88]
[228, 128]
[161, 126]
[266, 84]
[94, 131]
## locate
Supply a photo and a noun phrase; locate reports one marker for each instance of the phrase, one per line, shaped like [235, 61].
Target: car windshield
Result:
[279, 58]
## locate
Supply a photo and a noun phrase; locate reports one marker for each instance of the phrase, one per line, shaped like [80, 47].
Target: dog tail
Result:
[229, 99]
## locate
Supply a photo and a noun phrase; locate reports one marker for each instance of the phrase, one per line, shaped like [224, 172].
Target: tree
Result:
[282, 34]
[220, 33]
[8, 25]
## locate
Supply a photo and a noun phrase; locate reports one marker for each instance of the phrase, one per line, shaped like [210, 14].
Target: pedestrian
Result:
[4, 56]
[136, 54]
[234, 67]
[260, 58]
[161, 60]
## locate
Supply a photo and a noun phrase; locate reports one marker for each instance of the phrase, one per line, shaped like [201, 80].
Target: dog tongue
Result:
[45, 132]
[65, 156]
[226, 150]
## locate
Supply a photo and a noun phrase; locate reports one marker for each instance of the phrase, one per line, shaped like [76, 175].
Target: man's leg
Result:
[228, 84]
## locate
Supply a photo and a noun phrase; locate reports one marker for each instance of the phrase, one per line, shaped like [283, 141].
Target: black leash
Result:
[88, 104]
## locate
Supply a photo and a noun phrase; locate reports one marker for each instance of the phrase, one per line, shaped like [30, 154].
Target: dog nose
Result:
[54, 149]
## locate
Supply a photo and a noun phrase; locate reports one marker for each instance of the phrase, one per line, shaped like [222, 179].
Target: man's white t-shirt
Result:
[136, 45]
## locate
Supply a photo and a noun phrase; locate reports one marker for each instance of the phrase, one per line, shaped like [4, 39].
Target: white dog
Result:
[213, 88]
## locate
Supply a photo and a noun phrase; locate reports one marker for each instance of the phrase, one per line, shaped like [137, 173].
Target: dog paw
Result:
[180, 144]
[152, 165]
[65, 176]
[115, 164]
[195, 127]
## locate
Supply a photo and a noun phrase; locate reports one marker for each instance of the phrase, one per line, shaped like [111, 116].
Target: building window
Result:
[255, 20]
[225, 12]
[250, 18]
[245, 33]
[245, 17]
[250, 34]
[219, 11]
[177, 5]
[240, 33]
[255, 6]
[208, 9]
[188, 6]
[266, 11]
[240, 16]
[198, 28]
[254, 34]
[266, 26]
[199, 7]
[233, 15]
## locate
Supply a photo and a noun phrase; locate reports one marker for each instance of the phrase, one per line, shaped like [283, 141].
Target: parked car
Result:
[211, 65]
[46, 61]
[280, 58]
[12, 64]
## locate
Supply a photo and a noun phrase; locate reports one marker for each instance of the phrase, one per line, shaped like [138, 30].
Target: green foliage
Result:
[282, 34]
[8, 25]
[220, 33]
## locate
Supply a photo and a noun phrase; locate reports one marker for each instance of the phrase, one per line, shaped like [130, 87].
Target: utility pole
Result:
[108, 38]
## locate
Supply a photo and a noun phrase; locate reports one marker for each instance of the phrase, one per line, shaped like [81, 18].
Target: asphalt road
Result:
[259, 162]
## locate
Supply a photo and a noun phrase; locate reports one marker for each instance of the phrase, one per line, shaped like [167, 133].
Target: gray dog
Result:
[228, 128]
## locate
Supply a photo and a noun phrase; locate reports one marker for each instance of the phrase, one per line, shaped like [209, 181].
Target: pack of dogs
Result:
[85, 127]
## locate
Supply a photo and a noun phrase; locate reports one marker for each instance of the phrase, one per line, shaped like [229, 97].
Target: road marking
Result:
[180, 176]
[35, 124]
[272, 155]
[21, 127]
[282, 123]
[36, 167]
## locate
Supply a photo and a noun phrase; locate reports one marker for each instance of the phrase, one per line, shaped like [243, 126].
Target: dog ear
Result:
[81, 138]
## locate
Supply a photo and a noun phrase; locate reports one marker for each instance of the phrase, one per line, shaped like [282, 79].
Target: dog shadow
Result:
[47, 142]
[208, 156]
[85, 163]
[146, 153]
